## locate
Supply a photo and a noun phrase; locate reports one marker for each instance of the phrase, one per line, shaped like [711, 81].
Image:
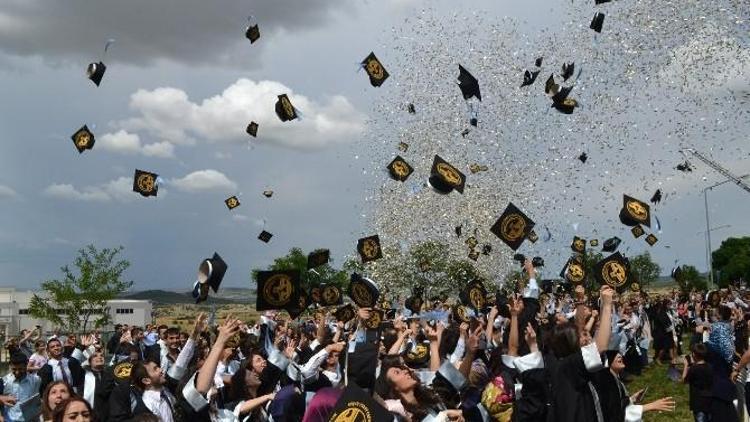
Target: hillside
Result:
[164, 297]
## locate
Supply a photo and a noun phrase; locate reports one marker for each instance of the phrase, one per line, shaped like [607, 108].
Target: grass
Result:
[655, 377]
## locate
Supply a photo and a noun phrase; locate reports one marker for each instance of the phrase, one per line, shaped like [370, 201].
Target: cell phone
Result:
[639, 396]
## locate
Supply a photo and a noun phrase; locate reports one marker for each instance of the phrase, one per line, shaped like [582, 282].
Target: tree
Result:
[296, 259]
[732, 260]
[79, 299]
[644, 268]
[689, 278]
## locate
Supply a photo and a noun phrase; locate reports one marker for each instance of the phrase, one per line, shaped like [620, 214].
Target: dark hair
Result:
[725, 313]
[54, 339]
[58, 415]
[564, 340]
[19, 359]
[146, 417]
[427, 400]
[137, 374]
[699, 350]
[173, 331]
[46, 410]
[448, 340]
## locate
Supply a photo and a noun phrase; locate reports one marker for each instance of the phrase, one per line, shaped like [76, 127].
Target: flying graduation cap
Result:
[265, 236]
[284, 109]
[399, 169]
[583, 157]
[145, 183]
[232, 202]
[363, 291]
[83, 139]
[317, 258]
[538, 61]
[210, 274]
[369, 248]
[444, 177]
[613, 271]
[567, 70]
[375, 70]
[95, 72]
[468, 84]
[512, 227]
[252, 32]
[656, 198]
[597, 22]
[611, 244]
[252, 129]
[635, 212]
[529, 77]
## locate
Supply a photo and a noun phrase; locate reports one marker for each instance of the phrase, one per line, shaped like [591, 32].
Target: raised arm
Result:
[515, 309]
[206, 375]
[605, 324]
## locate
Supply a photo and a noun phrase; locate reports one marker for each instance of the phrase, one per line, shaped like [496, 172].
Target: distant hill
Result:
[164, 297]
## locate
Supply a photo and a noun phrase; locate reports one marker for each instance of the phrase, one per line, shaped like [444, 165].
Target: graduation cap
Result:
[562, 103]
[656, 198]
[532, 236]
[377, 316]
[268, 193]
[375, 70]
[83, 139]
[468, 84]
[284, 109]
[550, 87]
[578, 245]
[399, 169]
[330, 295]
[95, 72]
[594, 243]
[613, 271]
[252, 33]
[597, 22]
[252, 129]
[611, 244]
[635, 287]
[567, 70]
[637, 231]
[265, 236]
[474, 295]
[410, 108]
[363, 291]
[232, 202]
[538, 61]
[597, 2]
[476, 168]
[529, 77]
[418, 356]
[512, 227]
[424, 266]
[295, 310]
[369, 248]
[458, 229]
[449, 379]
[574, 271]
[444, 177]
[583, 157]
[486, 249]
[473, 255]
[318, 258]
[210, 274]
[635, 212]
[676, 272]
[403, 146]
[277, 289]
[684, 167]
[345, 313]
[651, 239]
[145, 183]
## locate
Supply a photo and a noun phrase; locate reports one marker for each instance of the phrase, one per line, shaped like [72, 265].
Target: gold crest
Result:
[287, 105]
[477, 298]
[123, 370]
[513, 227]
[354, 412]
[635, 287]
[82, 139]
[361, 294]
[637, 210]
[579, 244]
[419, 352]
[370, 248]
[145, 183]
[400, 168]
[614, 274]
[375, 69]
[449, 174]
[330, 295]
[232, 202]
[637, 231]
[576, 272]
[278, 289]
[374, 321]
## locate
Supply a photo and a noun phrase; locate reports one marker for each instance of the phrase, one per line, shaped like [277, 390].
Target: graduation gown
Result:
[97, 388]
[572, 397]
[76, 372]
[614, 399]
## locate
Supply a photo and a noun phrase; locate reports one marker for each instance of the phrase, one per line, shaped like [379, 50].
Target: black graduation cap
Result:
[461, 314]
[252, 129]
[601, 1]
[651, 239]
[277, 289]
[594, 243]
[468, 84]
[83, 139]
[578, 245]
[597, 22]
[330, 295]
[345, 313]
[318, 258]
[474, 295]
[562, 103]
[252, 33]
[529, 77]
[210, 274]
[295, 310]
[550, 87]
[95, 72]
[418, 356]
[684, 167]
[284, 108]
[444, 177]
[583, 157]
[486, 249]
[574, 271]
[399, 169]
[363, 291]
[611, 244]
[403, 146]
[613, 271]
[265, 236]
[676, 272]
[635, 212]
[145, 183]
[532, 236]
[538, 61]
[472, 242]
[232, 202]
[268, 193]
[567, 70]
[512, 227]
[637, 231]
[410, 108]
[369, 248]
[656, 198]
[375, 70]
[377, 316]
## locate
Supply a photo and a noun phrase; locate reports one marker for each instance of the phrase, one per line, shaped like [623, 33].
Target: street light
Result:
[709, 258]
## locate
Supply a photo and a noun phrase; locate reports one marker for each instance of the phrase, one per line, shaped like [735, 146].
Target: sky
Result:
[182, 83]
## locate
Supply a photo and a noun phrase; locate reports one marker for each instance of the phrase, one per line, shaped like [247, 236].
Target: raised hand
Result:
[200, 325]
[228, 329]
[472, 343]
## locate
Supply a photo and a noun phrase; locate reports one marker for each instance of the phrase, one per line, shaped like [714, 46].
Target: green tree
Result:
[732, 260]
[80, 298]
[689, 278]
[296, 259]
[644, 268]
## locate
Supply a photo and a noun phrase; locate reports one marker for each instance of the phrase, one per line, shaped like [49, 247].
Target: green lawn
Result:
[655, 377]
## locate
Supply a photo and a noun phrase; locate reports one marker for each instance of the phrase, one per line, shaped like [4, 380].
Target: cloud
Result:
[187, 31]
[123, 142]
[168, 114]
[120, 189]
[6, 192]
[204, 180]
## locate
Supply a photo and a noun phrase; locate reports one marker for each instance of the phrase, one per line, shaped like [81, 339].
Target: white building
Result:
[14, 312]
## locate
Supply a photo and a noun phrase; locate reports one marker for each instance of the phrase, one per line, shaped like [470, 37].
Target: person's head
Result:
[96, 361]
[54, 394]
[699, 352]
[40, 347]
[54, 348]
[74, 409]
[401, 379]
[70, 341]
[184, 338]
[18, 364]
[258, 362]
[564, 340]
[724, 313]
[627, 309]
[172, 338]
[616, 362]
[137, 334]
[147, 376]
[118, 328]
[245, 383]
[332, 359]
[163, 331]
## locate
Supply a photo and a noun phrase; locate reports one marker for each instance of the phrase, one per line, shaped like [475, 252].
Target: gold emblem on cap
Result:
[449, 174]
[461, 313]
[579, 245]
[145, 182]
[512, 227]
[287, 105]
[361, 294]
[122, 370]
[375, 69]
[419, 352]
[476, 297]
[278, 289]
[232, 202]
[575, 272]
[400, 168]
[637, 210]
[82, 139]
[614, 274]
[330, 294]
[354, 412]
[635, 287]
[370, 248]
[374, 321]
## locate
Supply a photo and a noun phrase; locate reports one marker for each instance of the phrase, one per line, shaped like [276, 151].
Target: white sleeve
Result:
[458, 352]
[313, 344]
[194, 398]
[529, 361]
[310, 369]
[591, 357]
[633, 413]
[177, 370]
[532, 289]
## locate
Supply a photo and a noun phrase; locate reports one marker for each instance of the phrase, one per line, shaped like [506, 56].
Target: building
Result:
[14, 312]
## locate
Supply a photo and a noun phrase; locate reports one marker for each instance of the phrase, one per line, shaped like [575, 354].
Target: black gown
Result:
[572, 399]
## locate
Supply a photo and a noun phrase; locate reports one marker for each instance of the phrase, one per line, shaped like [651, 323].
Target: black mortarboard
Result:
[473, 255]
[284, 109]
[375, 70]
[532, 236]
[486, 249]
[232, 202]
[684, 167]
[403, 146]
[460, 314]
[377, 316]
[410, 108]
[444, 177]
[265, 236]
[594, 243]
[252, 129]
[637, 231]
[656, 198]
[611, 244]
[369, 248]
[363, 291]
[318, 258]
[529, 77]
[676, 272]
[583, 157]
[95, 72]
[567, 70]
[635, 212]
[562, 103]
[252, 33]
[512, 227]
[578, 245]
[145, 183]
[356, 405]
[468, 84]
[651, 239]
[597, 22]
[450, 380]
[295, 310]
[399, 169]
[613, 271]
[550, 87]
[277, 289]
[268, 193]
[83, 139]
[601, 1]
[538, 61]
[474, 295]
[418, 356]
[345, 313]
[330, 295]
[574, 271]
[210, 274]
